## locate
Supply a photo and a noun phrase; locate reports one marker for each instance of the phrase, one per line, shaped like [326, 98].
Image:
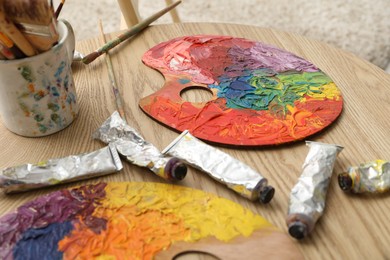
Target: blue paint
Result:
[264, 88]
[54, 92]
[70, 98]
[42, 243]
[60, 69]
[66, 83]
[184, 81]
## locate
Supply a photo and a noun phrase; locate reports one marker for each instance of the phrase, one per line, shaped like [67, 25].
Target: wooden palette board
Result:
[139, 220]
[261, 95]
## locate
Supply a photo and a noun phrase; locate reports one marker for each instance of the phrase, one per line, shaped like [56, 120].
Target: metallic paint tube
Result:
[222, 167]
[58, 171]
[137, 151]
[371, 177]
[307, 198]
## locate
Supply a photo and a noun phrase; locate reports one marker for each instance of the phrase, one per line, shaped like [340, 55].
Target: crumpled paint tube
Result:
[221, 167]
[307, 198]
[371, 177]
[131, 145]
[63, 170]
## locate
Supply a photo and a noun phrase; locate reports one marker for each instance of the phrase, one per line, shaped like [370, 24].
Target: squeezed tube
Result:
[137, 151]
[63, 170]
[222, 167]
[307, 198]
[371, 177]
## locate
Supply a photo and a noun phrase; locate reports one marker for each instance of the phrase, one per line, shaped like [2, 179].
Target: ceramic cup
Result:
[37, 94]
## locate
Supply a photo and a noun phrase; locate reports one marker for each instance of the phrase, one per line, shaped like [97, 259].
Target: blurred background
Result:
[358, 26]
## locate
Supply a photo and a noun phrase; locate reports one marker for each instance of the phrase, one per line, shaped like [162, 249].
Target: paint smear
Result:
[262, 95]
[109, 221]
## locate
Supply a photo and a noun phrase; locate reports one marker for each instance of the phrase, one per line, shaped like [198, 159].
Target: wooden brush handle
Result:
[14, 34]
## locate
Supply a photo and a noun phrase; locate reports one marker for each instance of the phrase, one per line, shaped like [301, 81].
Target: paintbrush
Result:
[11, 46]
[59, 8]
[6, 53]
[126, 35]
[36, 21]
[12, 32]
[111, 75]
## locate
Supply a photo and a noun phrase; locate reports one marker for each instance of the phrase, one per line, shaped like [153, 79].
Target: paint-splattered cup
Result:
[37, 94]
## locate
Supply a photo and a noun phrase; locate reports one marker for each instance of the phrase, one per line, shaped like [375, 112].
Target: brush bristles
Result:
[90, 57]
[29, 11]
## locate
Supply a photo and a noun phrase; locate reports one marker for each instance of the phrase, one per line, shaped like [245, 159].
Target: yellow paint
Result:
[204, 214]
[328, 91]
[378, 165]
[145, 218]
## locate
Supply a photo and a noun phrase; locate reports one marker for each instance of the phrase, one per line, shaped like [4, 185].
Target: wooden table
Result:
[353, 226]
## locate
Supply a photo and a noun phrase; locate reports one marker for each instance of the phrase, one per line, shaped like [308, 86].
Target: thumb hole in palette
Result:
[196, 94]
[195, 255]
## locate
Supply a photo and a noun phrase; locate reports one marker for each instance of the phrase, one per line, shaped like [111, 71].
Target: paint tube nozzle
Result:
[176, 169]
[266, 194]
[297, 230]
[345, 181]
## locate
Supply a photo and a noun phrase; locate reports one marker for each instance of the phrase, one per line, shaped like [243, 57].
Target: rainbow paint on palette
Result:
[262, 95]
[136, 220]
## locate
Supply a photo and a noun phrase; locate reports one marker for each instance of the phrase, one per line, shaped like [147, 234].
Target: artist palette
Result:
[138, 221]
[262, 95]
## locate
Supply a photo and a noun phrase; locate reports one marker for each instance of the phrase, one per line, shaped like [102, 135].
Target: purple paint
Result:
[56, 207]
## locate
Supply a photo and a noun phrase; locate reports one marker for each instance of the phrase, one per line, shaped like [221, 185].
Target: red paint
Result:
[203, 60]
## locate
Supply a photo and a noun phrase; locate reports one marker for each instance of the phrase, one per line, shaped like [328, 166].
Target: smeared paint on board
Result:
[136, 220]
[262, 95]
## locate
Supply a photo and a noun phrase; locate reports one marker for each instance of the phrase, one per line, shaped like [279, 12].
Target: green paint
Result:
[39, 117]
[42, 128]
[56, 118]
[27, 73]
[53, 107]
[285, 88]
[24, 108]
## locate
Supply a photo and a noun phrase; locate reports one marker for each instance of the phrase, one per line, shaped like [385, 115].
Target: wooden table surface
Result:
[353, 226]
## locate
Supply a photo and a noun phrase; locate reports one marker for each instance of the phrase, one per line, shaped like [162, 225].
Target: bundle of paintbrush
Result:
[27, 27]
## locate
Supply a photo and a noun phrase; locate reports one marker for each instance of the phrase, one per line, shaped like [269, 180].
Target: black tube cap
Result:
[179, 171]
[345, 181]
[297, 230]
[266, 194]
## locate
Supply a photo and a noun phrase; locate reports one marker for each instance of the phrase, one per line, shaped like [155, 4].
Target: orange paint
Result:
[262, 95]
[128, 235]
[146, 218]
[31, 88]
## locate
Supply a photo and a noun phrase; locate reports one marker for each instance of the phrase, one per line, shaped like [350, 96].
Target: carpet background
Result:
[358, 26]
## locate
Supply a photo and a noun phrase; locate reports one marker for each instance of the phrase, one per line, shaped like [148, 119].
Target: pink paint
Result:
[262, 95]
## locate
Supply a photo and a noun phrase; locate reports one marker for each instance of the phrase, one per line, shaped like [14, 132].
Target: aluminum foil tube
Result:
[371, 177]
[221, 167]
[307, 198]
[57, 171]
[136, 150]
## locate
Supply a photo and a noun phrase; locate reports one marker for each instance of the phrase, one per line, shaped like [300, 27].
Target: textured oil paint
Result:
[262, 95]
[108, 221]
